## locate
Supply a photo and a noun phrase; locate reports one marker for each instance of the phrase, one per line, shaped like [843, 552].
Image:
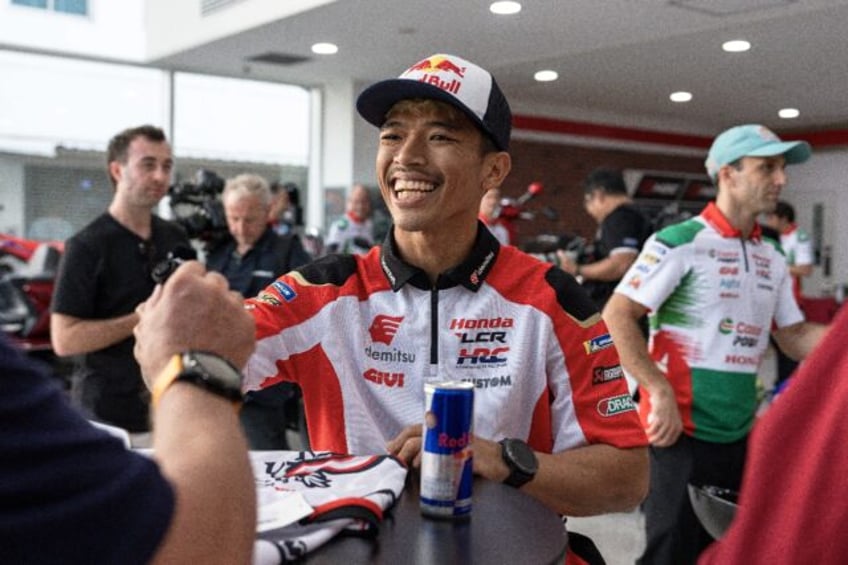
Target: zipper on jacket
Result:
[434, 326]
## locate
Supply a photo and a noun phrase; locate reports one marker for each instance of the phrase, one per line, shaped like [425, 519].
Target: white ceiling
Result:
[618, 60]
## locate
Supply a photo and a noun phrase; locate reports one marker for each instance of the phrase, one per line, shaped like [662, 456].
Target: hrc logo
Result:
[482, 355]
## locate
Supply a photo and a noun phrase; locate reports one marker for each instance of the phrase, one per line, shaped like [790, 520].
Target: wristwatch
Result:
[520, 459]
[205, 370]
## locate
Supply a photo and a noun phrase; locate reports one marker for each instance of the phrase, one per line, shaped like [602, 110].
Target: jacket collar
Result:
[714, 217]
[470, 273]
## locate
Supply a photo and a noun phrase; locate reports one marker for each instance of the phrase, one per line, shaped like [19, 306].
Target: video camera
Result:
[545, 247]
[198, 208]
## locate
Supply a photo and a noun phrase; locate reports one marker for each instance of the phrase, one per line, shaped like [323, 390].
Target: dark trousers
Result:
[785, 367]
[266, 415]
[674, 536]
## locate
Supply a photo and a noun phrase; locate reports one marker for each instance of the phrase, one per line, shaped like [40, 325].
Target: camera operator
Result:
[285, 214]
[251, 259]
[622, 229]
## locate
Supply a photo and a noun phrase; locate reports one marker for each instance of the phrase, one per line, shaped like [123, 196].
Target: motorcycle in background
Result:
[27, 277]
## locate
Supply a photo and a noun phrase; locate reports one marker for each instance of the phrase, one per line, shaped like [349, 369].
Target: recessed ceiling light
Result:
[789, 113]
[546, 76]
[736, 46]
[680, 96]
[325, 48]
[505, 8]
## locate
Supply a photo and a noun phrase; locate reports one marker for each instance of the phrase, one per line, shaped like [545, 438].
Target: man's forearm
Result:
[73, 336]
[797, 341]
[800, 270]
[611, 268]
[585, 481]
[591, 480]
[621, 316]
[201, 450]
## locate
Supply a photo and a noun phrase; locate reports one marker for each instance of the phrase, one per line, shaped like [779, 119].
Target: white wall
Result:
[11, 196]
[823, 179]
[110, 28]
[167, 37]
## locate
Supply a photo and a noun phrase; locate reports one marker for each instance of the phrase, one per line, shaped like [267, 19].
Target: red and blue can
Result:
[446, 456]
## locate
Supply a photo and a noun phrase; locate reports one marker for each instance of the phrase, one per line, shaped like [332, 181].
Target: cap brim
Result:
[793, 151]
[376, 100]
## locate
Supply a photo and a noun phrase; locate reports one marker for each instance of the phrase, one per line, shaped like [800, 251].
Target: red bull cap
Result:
[450, 79]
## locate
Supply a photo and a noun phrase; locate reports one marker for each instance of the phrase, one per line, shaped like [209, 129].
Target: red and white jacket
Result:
[362, 334]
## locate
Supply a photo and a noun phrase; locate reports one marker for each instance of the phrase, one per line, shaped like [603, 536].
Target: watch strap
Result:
[517, 476]
[176, 370]
[166, 377]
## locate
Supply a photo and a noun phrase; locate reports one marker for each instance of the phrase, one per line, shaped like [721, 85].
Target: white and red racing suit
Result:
[362, 334]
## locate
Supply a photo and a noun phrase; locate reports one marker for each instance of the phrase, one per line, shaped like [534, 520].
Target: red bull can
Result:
[446, 456]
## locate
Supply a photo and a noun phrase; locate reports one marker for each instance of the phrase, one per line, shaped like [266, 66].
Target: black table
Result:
[506, 526]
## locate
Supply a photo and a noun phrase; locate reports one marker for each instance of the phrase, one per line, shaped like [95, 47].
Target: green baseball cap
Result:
[752, 140]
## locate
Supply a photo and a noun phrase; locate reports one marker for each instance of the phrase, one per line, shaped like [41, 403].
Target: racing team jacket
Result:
[713, 297]
[362, 334]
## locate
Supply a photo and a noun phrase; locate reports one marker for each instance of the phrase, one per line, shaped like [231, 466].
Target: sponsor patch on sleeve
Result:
[602, 375]
[285, 291]
[598, 343]
[615, 405]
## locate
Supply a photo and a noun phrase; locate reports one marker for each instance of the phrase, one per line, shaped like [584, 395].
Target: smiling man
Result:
[714, 289]
[441, 299]
[105, 274]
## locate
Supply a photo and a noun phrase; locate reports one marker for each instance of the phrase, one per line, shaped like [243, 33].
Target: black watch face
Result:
[522, 455]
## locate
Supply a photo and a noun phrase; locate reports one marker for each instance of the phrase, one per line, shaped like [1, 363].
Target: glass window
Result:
[71, 6]
[31, 3]
[66, 6]
[227, 118]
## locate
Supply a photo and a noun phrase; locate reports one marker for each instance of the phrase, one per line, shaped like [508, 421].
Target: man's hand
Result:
[488, 460]
[194, 310]
[664, 422]
[566, 262]
[407, 445]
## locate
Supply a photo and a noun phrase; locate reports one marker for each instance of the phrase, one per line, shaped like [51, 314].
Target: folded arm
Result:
[72, 336]
[585, 481]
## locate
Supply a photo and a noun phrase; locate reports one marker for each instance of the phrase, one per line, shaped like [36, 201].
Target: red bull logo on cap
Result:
[439, 71]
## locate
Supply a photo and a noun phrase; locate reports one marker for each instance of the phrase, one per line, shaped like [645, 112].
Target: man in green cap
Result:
[714, 289]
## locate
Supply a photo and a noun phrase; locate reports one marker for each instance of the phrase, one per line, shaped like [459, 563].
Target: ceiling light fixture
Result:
[680, 96]
[505, 8]
[546, 76]
[789, 113]
[325, 48]
[736, 46]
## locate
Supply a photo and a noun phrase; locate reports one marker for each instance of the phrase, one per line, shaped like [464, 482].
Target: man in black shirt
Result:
[622, 230]
[105, 274]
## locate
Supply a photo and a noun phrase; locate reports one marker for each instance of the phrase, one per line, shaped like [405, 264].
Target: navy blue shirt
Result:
[70, 493]
[271, 256]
